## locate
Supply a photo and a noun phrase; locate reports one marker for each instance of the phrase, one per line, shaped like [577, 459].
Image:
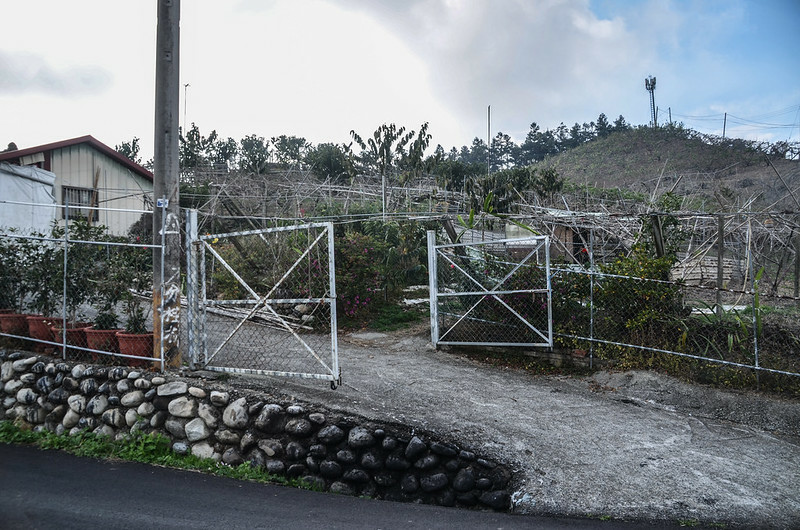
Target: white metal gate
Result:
[265, 302]
[492, 293]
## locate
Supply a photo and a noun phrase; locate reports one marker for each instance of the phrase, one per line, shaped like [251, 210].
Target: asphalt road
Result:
[50, 489]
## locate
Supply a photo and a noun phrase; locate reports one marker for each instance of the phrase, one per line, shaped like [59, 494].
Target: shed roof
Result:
[93, 142]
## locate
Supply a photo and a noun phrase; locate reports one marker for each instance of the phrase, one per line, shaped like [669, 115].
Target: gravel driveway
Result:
[630, 445]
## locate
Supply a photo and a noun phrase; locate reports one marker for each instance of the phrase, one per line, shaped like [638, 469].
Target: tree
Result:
[602, 127]
[503, 151]
[620, 124]
[546, 182]
[224, 151]
[130, 150]
[253, 154]
[452, 175]
[196, 150]
[290, 149]
[330, 161]
[413, 162]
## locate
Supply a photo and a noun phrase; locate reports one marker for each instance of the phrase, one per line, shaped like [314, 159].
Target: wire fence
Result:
[78, 289]
[263, 301]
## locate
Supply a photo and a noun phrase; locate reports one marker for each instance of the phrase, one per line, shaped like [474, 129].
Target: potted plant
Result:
[134, 274]
[78, 287]
[12, 285]
[44, 284]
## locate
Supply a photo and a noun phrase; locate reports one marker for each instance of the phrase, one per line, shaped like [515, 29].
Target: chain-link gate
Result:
[492, 293]
[265, 302]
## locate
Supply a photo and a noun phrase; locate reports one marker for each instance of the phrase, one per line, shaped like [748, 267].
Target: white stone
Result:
[113, 417]
[78, 370]
[209, 414]
[204, 450]
[145, 409]
[22, 365]
[183, 407]
[97, 405]
[175, 388]
[197, 430]
[70, 419]
[77, 403]
[132, 399]
[235, 415]
[220, 399]
[26, 396]
[13, 386]
[6, 371]
[131, 417]
[197, 392]
[158, 380]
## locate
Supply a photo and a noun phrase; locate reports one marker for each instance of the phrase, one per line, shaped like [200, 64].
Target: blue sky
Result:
[319, 68]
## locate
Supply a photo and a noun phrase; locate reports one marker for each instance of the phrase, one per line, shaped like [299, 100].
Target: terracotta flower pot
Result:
[75, 335]
[138, 344]
[39, 329]
[14, 324]
[102, 339]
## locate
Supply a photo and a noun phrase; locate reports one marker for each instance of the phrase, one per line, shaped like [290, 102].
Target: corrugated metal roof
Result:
[93, 142]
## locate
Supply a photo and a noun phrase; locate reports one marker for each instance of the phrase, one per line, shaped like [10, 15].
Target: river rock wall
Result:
[334, 452]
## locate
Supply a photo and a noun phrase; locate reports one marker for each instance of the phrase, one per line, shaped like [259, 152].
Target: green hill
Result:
[714, 174]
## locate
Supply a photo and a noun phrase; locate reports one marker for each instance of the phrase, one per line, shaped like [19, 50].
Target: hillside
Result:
[721, 176]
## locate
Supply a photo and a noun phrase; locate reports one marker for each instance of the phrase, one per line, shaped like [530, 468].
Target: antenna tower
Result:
[650, 85]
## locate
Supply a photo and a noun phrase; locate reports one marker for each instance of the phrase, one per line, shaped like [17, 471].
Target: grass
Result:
[154, 449]
[394, 317]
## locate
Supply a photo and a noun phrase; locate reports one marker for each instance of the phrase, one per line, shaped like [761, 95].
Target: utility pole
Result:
[650, 85]
[166, 216]
[724, 124]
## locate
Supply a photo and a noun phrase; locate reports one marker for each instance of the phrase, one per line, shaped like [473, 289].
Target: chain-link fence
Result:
[72, 288]
[490, 292]
[711, 296]
[263, 301]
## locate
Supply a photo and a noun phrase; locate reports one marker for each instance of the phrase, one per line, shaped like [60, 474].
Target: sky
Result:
[321, 68]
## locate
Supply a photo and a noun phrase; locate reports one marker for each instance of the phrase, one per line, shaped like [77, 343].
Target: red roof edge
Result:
[96, 144]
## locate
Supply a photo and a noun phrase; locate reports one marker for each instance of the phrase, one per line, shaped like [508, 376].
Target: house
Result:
[22, 188]
[89, 173]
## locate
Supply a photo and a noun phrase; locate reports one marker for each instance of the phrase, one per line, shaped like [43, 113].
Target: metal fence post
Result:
[433, 286]
[332, 291]
[64, 280]
[191, 286]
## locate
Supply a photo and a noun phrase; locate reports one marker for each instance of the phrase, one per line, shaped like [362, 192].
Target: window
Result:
[77, 200]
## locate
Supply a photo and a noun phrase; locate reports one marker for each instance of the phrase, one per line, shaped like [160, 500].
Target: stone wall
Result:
[337, 453]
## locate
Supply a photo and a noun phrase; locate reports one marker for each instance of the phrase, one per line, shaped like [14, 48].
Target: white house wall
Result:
[117, 186]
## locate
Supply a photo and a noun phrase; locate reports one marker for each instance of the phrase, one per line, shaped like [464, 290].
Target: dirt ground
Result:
[632, 445]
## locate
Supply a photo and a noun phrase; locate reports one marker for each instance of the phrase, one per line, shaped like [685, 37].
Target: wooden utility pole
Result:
[166, 216]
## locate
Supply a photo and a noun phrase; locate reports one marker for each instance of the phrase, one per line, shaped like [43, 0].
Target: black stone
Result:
[318, 450]
[396, 462]
[415, 448]
[64, 368]
[466, 455]
[486, 463]
[113, 401]
[58, 396]
[45, 384]
[409, 484]
[433, 482]
[443, 450]
[384, 479]
[427, 462]
[271, 419]
[59, 378]
[464, 480]
[497, 500]
[296, 470]
[312, 464]
[467, 499]
[117, 374]
[299, 427]
[158, 419]
[89, 387]
[330, 469]
[256, 458]
[356, 475]
[162, 402]
[275, 467]
[330, 435]
[346, 456]
[448, 498]
[295, 451]
[371, 460]
[70, 384]
[389, 443]
[452, 465]
[150, 394]
[483, 483]
[38, 367]
[105, 388]
[87, 422]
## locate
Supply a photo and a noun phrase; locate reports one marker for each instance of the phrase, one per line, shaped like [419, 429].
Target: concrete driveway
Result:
[621, 445]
